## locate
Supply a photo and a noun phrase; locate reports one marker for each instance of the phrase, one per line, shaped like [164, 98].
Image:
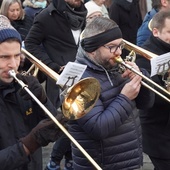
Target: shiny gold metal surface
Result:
[80, 98]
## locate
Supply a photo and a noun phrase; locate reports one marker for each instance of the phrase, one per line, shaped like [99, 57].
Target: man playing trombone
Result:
[156, 120]
[111, 131]
[24, 127]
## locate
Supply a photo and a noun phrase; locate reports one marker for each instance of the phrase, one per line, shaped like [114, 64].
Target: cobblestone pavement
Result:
[47, 150]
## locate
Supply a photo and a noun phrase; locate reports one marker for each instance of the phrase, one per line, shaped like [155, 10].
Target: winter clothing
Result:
[7, 31]
[18, 117]
[22, 26]
[31, 8]
[111, 131]
[143, 32]
[156, 120]
[52, 29]
[127, 15]
[91, 5]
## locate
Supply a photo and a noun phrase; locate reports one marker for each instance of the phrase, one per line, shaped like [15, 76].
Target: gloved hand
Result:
[44, 133]
[34, 86]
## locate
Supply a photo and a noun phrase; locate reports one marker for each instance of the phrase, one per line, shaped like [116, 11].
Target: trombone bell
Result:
[80, 98]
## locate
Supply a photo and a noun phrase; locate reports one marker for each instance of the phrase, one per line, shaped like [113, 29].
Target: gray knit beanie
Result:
[7, 31]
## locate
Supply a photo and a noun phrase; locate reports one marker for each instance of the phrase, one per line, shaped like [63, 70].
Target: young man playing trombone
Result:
[111, 131]
[24, 127]
[156, 120]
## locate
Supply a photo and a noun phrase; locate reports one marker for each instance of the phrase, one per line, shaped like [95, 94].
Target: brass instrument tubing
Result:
[147, 79]
[24, 86]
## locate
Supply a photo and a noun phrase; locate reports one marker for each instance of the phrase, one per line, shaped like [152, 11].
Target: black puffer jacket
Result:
[111, 131]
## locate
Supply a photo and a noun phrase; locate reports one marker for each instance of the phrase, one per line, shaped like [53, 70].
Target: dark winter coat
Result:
[111, 131]
[156, 120]
[23, 26]
[127, 15]
[17, 118]
[52, 29]
[143, 32]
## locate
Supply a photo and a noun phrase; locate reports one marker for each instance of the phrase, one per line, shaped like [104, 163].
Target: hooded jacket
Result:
[111, 131]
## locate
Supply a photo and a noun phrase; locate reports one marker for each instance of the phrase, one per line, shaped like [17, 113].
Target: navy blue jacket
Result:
[143, 32]
[111, 131]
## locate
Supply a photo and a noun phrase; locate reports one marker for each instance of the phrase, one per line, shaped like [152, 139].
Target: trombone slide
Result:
[24, 86]
[119, 60]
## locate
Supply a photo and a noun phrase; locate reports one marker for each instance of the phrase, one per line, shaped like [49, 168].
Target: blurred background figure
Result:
[143, 32]
[100, 3]
[14, 11]
[126, 13]
[92, 12]
[32, 7]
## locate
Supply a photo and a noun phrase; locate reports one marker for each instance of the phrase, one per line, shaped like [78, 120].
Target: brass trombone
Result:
[147, 54]
[79, 100]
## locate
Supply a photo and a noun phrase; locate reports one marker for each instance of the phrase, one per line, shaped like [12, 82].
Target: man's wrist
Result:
[26, 150]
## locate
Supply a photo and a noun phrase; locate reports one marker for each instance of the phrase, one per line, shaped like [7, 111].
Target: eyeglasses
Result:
[114, 48]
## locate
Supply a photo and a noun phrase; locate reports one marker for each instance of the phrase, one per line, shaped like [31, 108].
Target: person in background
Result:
[110, 132]
[92, 12]
[13, 10]
[128, 16]
[32, 7]
[24, 127]
[156, 120]
[100, 3]
[57, 28]
[144, 32]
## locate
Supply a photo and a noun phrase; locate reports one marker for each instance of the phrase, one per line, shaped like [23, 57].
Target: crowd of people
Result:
[127, 119]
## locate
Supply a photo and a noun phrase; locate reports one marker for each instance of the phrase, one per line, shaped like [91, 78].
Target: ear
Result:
[164, 3]
[155, 32]
[92, 54]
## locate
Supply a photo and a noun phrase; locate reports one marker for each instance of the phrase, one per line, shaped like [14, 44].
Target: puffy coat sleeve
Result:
[101, 122]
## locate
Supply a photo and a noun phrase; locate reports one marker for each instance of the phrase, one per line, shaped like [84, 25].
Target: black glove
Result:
[44, 133]
[34, 86]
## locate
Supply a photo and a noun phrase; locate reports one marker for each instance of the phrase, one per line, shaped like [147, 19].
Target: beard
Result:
[74, 3]
[103, 61]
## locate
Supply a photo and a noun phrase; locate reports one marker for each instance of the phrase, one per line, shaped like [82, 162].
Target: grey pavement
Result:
[47, 150]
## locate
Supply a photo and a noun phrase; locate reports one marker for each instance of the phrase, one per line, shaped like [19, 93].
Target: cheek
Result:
[165, 37]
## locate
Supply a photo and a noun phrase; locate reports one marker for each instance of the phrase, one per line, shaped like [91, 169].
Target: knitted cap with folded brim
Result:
[92, 8]
[7, 31]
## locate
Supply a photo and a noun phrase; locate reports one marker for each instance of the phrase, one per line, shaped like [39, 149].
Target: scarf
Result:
[76, 17]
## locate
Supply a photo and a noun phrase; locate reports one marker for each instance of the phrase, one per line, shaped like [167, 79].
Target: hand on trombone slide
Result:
[34, 86]
[132, 88]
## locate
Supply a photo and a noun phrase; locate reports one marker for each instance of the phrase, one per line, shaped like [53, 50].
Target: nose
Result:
[12, 63]
[118, 51]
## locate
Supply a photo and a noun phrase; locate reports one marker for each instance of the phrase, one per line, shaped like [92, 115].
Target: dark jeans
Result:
[160, 164]
[62, 147]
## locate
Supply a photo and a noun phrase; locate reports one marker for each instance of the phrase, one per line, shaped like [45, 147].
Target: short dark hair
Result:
[158, 20]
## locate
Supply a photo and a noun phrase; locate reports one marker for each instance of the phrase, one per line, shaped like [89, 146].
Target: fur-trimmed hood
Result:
[31, 3]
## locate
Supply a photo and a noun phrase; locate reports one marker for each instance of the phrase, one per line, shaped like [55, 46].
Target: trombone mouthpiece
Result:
[12, 73]
[118, 59]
